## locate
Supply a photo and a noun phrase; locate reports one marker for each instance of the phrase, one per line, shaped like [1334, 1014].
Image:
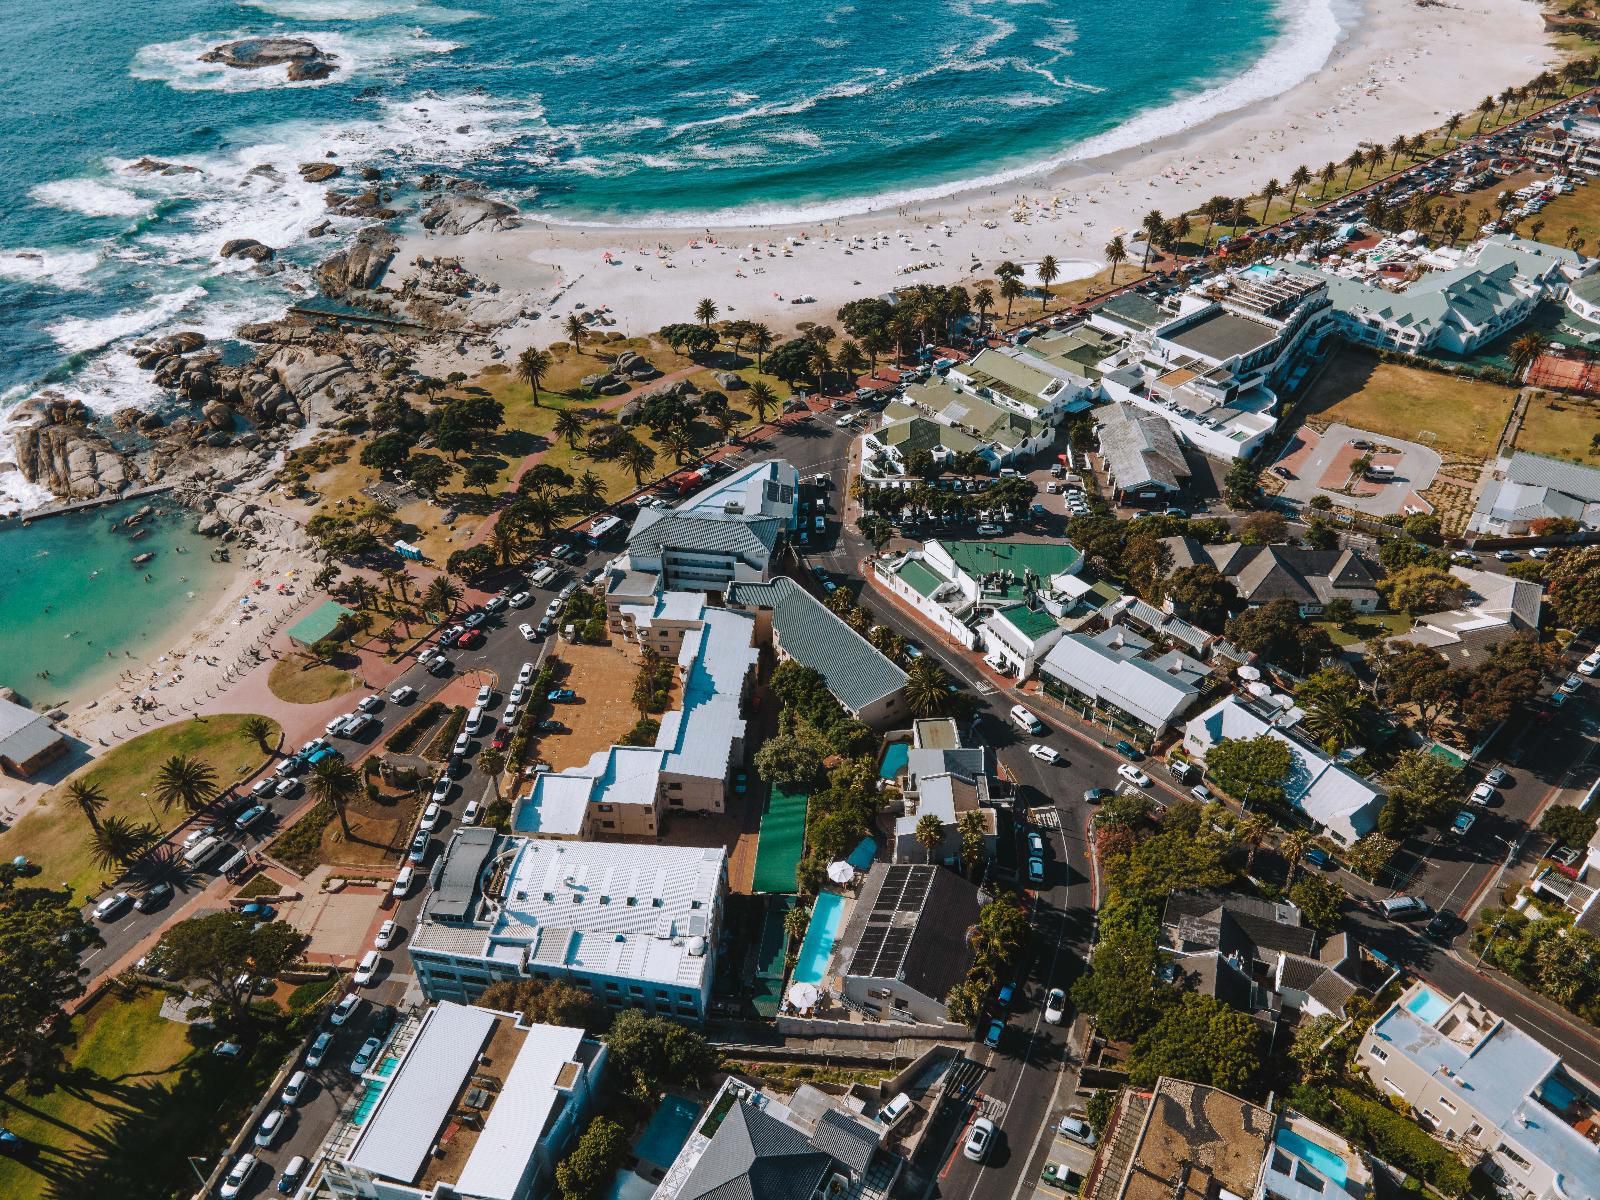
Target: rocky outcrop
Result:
[320, 172]
[360, 265]
[251, 54]
[247, 248]
[56, 449]
[154, 166]
[459, 213]
[372, 205]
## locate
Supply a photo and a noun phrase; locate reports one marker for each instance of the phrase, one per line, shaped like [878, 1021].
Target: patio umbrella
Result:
[1283, 701]
[803, 995]
[1248, 672]
[1259, 690]
[841, 871]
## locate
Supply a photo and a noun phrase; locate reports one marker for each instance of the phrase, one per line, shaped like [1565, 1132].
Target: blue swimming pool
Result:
[1427, 1006]
[668, 1130]
[895, 757]
[1257, 271]
[826, 916]
[1322, 1160]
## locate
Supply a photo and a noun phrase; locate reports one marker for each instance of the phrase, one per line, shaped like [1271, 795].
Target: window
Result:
[632, 900]
[1446, 1105]
[694, 904]
[608, 824]
[675, 801]
[1474, 1130]
[1511, 1155]
[1380, 1055]
[1391, 1085]
[607, 808]
[1307, 1178]
[657, 902]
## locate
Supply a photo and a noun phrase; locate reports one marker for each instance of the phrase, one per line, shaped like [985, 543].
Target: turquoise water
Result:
[69, 595]
[895, 757]
[861, 857]
[371, 1093]
[1427, 1006]
[668, 1131]
[1328, 1164]
[826, 915]
[610, 110]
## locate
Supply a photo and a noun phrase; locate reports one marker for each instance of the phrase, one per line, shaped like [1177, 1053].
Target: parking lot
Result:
[1323, 464]
[603, 677]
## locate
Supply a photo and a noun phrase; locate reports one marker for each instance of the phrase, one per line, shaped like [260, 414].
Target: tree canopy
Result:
[227, 950]
[41, 934]
[1251, 770]
[1199, 1039]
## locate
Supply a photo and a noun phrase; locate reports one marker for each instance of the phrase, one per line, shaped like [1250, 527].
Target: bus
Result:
[602, 529]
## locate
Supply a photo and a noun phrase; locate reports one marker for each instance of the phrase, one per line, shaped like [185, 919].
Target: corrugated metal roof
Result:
[1571, 478]
[1130, 684]
[749, 538]
[400, 1133]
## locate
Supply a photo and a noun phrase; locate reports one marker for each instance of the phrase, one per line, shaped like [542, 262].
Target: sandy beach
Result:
[1402, 68]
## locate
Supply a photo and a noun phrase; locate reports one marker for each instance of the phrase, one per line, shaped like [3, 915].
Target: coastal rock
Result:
[126, 418]
[71, 460]
[371, 204]
[154, 166]
[371, 173]
[150, 422]
[457, 213]
[320, 228]
[360, 265]
[211, 525]
[320, 172]
[250, 54]
[246, 248]
[218, 415]
[320, 68]
[304, 375]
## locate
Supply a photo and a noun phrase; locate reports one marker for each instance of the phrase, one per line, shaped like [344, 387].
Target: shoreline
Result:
[1398, 68]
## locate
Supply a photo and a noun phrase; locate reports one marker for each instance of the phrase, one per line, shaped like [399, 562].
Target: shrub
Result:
[643, 732]
[299, 845]
[406, 736]
[1401, 1142]
[307, 994]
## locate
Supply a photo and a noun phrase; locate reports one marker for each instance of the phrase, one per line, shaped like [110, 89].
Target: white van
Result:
[544, 576]
[1380, 471]
[201, 851]
[1025, 720]
[475, 719]
[402, 882]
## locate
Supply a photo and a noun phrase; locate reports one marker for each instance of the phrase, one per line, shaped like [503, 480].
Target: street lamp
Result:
[194, 1164]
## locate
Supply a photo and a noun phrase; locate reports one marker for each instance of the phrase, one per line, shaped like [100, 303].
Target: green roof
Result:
[780, 843]
[1033, 624]
[321, 622]
[1044, 559]
[921, 577]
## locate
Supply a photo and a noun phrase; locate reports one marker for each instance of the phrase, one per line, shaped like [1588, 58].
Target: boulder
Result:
[69, 459]
[154, 166]
[320, 228]
[627, 360]
[360, 265]
[250, 54]
[317, 68]
[211, 525]
[246, 248]
[730, 381]
[150, 422]
[371, 173]
[320, 172]
[457, 213]
[218, 415]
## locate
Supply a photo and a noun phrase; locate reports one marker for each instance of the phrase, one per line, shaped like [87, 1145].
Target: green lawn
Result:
[1465, 417]
[1368, 627]
[135, 1100]
[56, 836]
[781, 843]
[1562, 427]
[299, 681]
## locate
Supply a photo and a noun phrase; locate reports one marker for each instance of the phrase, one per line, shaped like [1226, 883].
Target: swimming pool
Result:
[668, 1130]
[1322, 1160]
[371, 1093]
[1258, 271]
[895, 757]
[826, 916]
[1427, 1006]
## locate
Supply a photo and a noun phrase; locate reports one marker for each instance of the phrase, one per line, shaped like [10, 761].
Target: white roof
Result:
[522, 1109]
[1131, 684]
[400, 1133]
[763, 489]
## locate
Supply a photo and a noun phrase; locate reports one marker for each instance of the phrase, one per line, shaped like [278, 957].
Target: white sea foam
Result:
[77, 335]
[178, 65]
[64, 269]
[91, 198]
[362, 10]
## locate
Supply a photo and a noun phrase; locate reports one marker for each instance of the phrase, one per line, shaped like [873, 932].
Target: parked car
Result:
[112, 906]
[370, 704]
[345, 1009]
[979, 1140]
[1483, 793]
[367, 968]
[238, 1175]
[295, 1088]
[1571, 684]
[1077, 1129]
[154, 897]
[897, 1107]
[525, 673]
[293, 1175]
[365, 1055]
[1044, 754]
[1133, 775]
[463, 743]
[441, 790]
[992, 1035]
[1405, 908]
[475, 619]
[1095, 795]
[469, 815]
[1497, 777]
[430, 819]
[386, 935]
[1055, 1006]
[402, 882]
[561, 696]
[527, 632]
[319, 1049]
[1129, 751]
[418, 852]
[1035, 870]
[250, 816]
[1463, 823]
[404, 694]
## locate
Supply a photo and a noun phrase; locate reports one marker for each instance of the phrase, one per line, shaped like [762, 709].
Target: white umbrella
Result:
[1260, 690]
[841, 871]
[1283, 701]
[803, 995]
[1248, 672]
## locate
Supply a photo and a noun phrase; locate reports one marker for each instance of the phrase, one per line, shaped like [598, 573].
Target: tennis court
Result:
[782, 841]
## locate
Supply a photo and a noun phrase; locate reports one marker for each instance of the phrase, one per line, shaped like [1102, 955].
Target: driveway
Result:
[1322, 465]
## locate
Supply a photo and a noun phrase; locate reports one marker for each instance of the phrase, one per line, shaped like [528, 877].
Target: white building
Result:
[1001, 434]
[1115, 670]
[635, 925]
[1018, 637]
[1497, 607]
[1341, 802]
[528, 1087]
[1142, 456]
[1010, 379]
[1533, 488]
[1487, 1088]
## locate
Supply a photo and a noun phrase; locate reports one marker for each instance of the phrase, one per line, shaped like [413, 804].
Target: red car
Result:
[470, 640]
[501, 739]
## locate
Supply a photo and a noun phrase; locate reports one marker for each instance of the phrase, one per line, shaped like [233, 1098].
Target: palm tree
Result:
[1335, 718]
[1353, 160]
[982, 300]
[1272, 189]
[1116, 253]
[761, 340]
[591, 487]
[334, 781]
[1049, 272]
[185, 781]
[575, 330]
[820, 362]
[1236, 215]
[1329, 172]
[569, 424]
[442, 596]
[504, 541]
[850, 359]
[724, 420]
[258, 729]
[886, 642]
[795, 922]
[1297, 180]
[637, 457]
[1526, 350]
[927, 690]
[533, 365]
[678, 442]
[118, 842]
[706, 312]
[1374, 160]
[89, 798]
[1451, 124]
[1010, 289]
[970, 826]
[1253, 831]
[929, 831]
[1153, 224]
[762, 398]
[1292, 848]
[1485, 107]
[1213, 210]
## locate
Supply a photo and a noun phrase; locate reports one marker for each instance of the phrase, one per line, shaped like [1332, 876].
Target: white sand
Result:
[1402, 71]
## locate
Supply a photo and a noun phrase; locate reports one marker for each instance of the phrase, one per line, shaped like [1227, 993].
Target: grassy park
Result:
[1562, 426]
[302, 680]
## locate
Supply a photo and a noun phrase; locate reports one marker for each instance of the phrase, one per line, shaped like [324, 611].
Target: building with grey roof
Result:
[702, 552]
[800, 627]
[1024, 384]
[1117, 672]
[1532, 487]
[28, 742]
[770, 488]
[946, 780]
[1479, 1082]
[1495, 609]
[635, 925]
[1142, 456]
[1552, 268]
[1002, 433]
[1262, 574]
[749, 1145]
[481, 1106]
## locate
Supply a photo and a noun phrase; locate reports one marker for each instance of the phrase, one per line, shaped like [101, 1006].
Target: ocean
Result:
[606, 111]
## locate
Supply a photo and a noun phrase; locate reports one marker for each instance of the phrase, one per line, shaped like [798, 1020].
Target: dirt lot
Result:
[603, 678]
[378, 832]
[1562, 427]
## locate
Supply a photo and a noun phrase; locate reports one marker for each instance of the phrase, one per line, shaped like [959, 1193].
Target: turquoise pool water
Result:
[668, 1130]
[1261, 270]
[861, 857]
[894, 759]
[1427, 1006]
[387, 1067]
[371, 1091]
[826, 915]
[1324, 1161]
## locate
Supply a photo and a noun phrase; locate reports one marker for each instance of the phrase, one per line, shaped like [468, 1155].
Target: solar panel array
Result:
[892, 921]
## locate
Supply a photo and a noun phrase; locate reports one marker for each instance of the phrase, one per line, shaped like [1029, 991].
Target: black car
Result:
[153, 897]
[1443, 927]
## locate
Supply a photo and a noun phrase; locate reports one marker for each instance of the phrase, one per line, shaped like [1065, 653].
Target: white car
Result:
[469, 815]
[1055, 1006]
[1590, 665]
[319, 1049]
[485, 695]
[295, 1089]
[978, 1141]
[463, 742]
[1539, 552]
[441, 790]
[336, 726]
[553, 607]
[387, 932]
[1482, 794]
[238, 1176]
[511, 715]
[518, 691]
[370, 704]
[1133, 775]
[525, 673]
[112, 905]
[526, 630]
[404, 694]
[1077, 1129]
[402, 882]
[430, 819]
[520, 600]
[345, 1009]
[366, 968]
[1044, 754]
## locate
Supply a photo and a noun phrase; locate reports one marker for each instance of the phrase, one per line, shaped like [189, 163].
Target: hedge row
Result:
[415, 726]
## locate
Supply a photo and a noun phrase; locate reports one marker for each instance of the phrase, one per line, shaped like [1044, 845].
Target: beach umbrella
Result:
[1259, 690]
[803, 995]
[841, 872]
[1248, 672]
